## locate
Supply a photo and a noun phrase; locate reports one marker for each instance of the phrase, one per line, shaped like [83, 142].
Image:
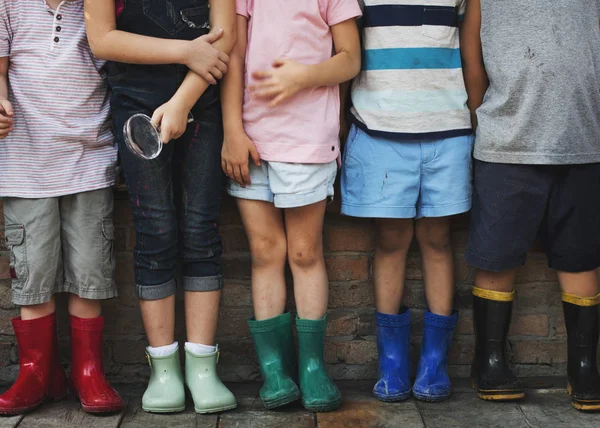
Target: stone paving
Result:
[546, 405]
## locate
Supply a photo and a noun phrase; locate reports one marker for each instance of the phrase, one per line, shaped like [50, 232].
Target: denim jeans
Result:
[175, 197]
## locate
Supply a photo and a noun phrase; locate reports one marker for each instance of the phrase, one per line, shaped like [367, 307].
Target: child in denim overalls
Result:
[175, 197]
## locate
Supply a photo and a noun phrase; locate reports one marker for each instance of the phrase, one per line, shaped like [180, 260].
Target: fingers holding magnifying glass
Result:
[171, 120]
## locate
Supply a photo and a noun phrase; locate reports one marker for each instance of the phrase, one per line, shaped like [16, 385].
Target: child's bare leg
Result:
[496, 281]
[393, 240]
[583, 284]
[304, 227]
[31, 312]
[264, 227]
[433, 235]
[159, 320]
[201, 316]
[84, 308]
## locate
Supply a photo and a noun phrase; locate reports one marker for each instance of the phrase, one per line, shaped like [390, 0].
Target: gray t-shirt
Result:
[543, 62]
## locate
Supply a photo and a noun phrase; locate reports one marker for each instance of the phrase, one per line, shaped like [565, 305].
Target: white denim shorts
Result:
[288, 185]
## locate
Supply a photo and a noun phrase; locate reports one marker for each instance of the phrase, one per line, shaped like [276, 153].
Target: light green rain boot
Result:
[165, 392]
[208, 392]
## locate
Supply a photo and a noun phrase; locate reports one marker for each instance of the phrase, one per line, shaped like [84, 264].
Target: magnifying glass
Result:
[142, 137]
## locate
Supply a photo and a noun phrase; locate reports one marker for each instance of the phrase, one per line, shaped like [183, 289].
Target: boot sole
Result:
[583, 405]
[430, 398]
[393, 398]
[21, 411]
[98, 409]
[102, 409]
[31, 408]
[282, 401]
[157, 410]
[328, 407]
[215, 409]
[498, 394]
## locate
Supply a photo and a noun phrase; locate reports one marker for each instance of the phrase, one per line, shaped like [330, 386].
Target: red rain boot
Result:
[87, 374]
[40, 374]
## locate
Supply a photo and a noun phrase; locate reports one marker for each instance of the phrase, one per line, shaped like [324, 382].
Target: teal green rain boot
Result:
[319, 393]
[208, 392]
[274, 343]
[165, 392]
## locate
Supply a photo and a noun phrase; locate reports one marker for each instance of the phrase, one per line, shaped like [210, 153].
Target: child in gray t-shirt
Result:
[532, 71]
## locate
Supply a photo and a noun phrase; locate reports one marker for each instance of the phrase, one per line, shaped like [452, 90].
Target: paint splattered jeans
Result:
[175, 198]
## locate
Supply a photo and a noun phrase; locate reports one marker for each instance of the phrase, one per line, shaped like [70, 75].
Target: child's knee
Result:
[394, 238]
[304, 254]
[268, 250]
[434, 237]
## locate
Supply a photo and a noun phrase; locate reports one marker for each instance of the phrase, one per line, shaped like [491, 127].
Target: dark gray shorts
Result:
[514, 204]
[62, 244]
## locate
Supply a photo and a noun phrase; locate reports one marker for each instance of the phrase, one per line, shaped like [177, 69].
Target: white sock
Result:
[162, 351]
[200, 349]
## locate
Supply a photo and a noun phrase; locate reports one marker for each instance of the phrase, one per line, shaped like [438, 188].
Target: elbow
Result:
[355, 64]
[97, 48]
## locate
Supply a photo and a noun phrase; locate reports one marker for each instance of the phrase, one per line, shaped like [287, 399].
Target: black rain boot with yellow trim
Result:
[581, 320]
[490, 374]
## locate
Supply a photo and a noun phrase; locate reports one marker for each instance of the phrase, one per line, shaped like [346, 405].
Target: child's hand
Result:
[6, 122]
[205, 60]
[237, 149]
[172, 120]
[281, 82]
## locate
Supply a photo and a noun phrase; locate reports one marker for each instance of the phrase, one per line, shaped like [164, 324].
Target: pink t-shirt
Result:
[305, 128]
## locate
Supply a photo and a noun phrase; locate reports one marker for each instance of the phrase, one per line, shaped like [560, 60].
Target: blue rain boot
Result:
[393, 346]
[432, 382]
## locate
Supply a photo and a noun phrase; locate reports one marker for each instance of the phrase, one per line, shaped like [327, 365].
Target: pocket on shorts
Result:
[172, 18]
[440, 20]
[108, 248]
[350, 142]
[14, 235]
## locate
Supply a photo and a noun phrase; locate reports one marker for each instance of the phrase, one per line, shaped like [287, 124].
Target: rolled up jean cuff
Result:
[156, 292]
[206, 283]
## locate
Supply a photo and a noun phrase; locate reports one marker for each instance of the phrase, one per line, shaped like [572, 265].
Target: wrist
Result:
[183, 51]
[233, 127]
[305, 80]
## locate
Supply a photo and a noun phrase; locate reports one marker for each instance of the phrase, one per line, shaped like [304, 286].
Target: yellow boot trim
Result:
[499, 296]
[581, 301]
[583, 405]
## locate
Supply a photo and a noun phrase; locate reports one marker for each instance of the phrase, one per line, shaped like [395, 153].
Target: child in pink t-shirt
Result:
[281, 109]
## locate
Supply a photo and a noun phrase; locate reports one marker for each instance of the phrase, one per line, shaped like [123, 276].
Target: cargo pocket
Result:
[108, 248]
[15, 240]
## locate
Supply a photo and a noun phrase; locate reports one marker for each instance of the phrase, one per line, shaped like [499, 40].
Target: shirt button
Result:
[59, 17]
[56, 39]
[333, 148]
[58, 28]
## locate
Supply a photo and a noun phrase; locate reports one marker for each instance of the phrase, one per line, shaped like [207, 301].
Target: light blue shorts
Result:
[384, 178]
[287, 185]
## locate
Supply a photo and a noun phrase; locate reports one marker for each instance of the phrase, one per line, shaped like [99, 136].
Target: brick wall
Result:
[537, 338]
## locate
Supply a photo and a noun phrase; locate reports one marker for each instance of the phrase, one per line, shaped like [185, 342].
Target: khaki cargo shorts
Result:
[62, 244]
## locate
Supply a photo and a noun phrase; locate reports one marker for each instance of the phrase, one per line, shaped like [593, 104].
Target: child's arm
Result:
[344, 126]
[237, 147]
[6, 109]
[476, 79]
[108, 43]
[287, 77]
[173, 115]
